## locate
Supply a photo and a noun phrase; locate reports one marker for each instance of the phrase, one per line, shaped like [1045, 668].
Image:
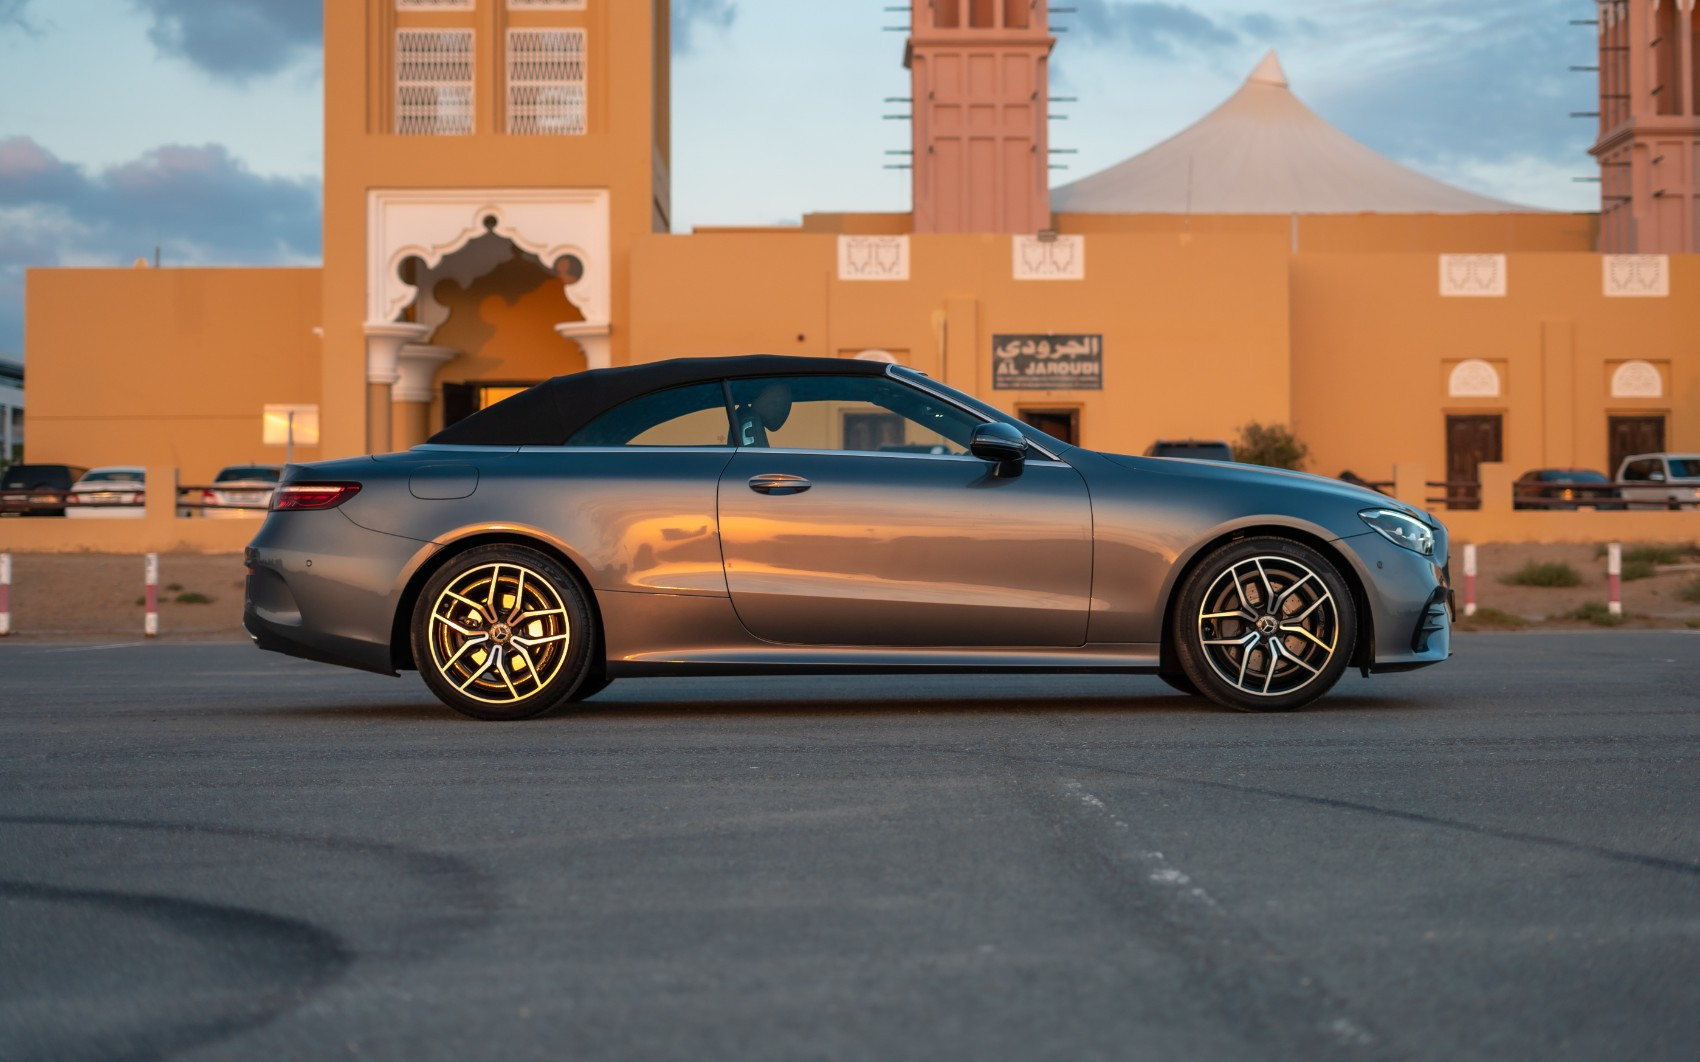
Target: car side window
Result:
[1638, 470]
[694, 415]
[857, 413]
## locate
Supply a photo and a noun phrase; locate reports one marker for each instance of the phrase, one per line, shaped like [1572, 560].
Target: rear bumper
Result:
[323, 588]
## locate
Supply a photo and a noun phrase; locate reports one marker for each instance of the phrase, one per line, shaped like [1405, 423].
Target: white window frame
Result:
[435, 5]
[412, 116]
[546, 5]
[553, 106]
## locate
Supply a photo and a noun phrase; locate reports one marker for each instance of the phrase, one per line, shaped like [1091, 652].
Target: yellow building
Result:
[497, 212]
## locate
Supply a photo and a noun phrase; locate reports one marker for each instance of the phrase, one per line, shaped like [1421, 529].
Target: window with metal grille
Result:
[433, 82]
[546, 82]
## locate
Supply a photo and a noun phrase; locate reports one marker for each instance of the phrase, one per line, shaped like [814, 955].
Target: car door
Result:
[917, 543]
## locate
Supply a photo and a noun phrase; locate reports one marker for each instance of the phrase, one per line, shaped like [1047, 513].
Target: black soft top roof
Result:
[551, 412]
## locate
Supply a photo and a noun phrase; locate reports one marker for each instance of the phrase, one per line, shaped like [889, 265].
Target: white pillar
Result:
[593, 337]
[384, 340]
[415, 386]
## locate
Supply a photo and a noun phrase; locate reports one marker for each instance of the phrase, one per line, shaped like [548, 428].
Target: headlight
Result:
[1401, 529]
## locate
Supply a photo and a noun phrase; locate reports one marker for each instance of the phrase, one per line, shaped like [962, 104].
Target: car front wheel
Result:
[504, 632]
[1264, 624]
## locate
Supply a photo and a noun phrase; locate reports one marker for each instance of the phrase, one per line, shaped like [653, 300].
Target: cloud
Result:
[1170, 31]
[14, 16]
[689, 16]
[235, 39]
[1456, 85]
[199, 204]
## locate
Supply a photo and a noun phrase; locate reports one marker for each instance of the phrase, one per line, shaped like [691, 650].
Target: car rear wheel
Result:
[1264, 624]
[504, 632]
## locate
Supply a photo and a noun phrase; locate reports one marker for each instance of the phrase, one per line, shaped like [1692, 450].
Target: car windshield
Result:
[1685, 467]
[1577, 475]
[26, 476]
[114, 475]
[248, 472]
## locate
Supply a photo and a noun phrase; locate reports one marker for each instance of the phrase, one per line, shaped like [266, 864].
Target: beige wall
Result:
[1373, 343]
[167, 366]
[1195, 331]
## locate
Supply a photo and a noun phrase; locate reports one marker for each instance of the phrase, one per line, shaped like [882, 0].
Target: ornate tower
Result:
[1649, 143]
[474, 150]
[978, 70]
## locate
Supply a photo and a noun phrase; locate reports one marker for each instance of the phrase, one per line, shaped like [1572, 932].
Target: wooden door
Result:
[1633, 435]
[1470, 440]
[1060, 424]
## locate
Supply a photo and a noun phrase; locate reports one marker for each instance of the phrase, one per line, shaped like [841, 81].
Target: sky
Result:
[196, 125]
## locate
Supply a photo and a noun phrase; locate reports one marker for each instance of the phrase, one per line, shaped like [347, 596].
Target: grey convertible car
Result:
[776, 515]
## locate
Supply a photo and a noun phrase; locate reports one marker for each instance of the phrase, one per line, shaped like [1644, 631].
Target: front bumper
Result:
[1410, 602]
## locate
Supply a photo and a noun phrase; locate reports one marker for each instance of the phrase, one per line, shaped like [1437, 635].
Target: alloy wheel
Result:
[498, 633]
[1269, 626]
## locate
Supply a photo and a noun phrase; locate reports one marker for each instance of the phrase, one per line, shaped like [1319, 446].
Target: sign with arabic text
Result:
[1048, 363]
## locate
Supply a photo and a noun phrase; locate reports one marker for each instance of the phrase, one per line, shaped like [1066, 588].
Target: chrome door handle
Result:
[779, 483]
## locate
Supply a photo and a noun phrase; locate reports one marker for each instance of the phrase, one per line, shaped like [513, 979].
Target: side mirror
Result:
[1003, 445]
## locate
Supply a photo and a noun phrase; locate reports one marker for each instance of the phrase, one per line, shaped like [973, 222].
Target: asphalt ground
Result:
[211, 852]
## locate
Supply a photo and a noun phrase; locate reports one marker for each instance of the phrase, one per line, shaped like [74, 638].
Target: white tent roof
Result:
[1264, 152]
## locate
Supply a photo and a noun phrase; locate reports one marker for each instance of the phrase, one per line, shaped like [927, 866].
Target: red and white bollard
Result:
[1614, 578]
[5, 594]
[1469, 579]
[150, 624]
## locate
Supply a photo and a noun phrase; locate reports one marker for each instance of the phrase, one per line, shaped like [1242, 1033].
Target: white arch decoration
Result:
[433, 224]
[875, 354]
[1637, 379]
[1473, 378]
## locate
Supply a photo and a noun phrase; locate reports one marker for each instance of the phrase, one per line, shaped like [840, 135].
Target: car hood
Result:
[1231, 474]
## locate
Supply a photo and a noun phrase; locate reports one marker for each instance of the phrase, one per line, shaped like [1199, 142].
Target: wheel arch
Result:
[401, 641]
[1363, 653]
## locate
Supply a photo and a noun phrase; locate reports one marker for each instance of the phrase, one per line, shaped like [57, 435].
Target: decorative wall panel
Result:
[873, 258]
[1061, 258]
[1629, 276]
[433, 82]
[546, 82]
[1472, 275]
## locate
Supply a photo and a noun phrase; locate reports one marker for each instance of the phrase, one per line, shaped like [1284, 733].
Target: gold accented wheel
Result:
[503, 632]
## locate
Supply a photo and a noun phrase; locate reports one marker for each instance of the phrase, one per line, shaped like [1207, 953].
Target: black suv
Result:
[36, 490]
[1197, 449]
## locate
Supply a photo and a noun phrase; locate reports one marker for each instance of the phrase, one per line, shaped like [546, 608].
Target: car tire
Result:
[1264, 624]
[504, 632]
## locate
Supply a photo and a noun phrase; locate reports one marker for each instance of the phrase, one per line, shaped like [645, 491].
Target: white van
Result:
[1673, 479]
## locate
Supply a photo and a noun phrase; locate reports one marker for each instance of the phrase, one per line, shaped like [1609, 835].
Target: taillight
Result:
[312, 495]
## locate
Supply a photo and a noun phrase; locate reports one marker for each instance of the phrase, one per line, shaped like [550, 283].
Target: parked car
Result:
[706, 515]
[110, 492]
[1196, 449]
[1673, 479]
[238, 491]
[36, 490]
[1564, 488]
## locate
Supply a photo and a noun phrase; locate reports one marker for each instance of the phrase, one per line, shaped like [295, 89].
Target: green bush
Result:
[192, 598]
[1554, 573]
[1273, 445]
[1655, 552]
[1595, 612]
[1636, 569]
